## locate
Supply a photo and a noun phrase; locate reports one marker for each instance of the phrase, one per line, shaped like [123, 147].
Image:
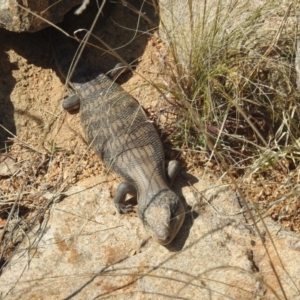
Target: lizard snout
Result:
[164, 217]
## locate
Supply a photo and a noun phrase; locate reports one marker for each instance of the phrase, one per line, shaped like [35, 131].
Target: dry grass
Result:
[231, 75]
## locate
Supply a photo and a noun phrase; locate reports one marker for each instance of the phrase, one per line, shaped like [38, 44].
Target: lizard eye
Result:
[172, 203]
[174, 207]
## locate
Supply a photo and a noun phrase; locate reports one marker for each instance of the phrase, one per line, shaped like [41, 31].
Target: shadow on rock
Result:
[123, 30]
[119, 27]
[190, 215]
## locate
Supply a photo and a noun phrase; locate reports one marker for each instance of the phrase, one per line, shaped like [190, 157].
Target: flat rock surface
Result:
[86, 251]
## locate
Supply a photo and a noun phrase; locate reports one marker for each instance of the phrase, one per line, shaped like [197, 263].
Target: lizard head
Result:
[164, 216]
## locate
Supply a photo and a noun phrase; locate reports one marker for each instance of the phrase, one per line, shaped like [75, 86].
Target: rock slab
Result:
[86, 251]
[16, 15]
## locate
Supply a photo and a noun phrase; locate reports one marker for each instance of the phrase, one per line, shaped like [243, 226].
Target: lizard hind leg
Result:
[71, 103]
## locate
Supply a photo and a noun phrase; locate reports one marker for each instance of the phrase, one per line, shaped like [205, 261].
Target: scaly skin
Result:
[123, 137]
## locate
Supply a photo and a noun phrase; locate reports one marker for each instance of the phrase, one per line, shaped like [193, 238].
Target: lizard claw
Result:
[124, 209]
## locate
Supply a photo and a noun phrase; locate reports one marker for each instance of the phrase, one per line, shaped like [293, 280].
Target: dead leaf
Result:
[8, 167]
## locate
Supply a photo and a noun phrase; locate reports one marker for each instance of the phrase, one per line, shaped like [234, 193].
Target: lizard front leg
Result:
[123, 189]
[172, 171]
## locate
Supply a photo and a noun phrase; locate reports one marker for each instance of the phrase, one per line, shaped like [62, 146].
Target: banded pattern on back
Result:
[122, 136]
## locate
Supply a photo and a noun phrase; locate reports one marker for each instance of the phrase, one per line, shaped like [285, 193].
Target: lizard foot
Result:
[123, 189]
[123, 208]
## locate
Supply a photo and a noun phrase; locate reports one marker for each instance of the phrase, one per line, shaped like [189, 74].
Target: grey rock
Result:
[16, 15]
[87, 251]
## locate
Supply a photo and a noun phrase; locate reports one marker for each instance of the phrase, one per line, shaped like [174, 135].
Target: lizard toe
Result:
[124, 209]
